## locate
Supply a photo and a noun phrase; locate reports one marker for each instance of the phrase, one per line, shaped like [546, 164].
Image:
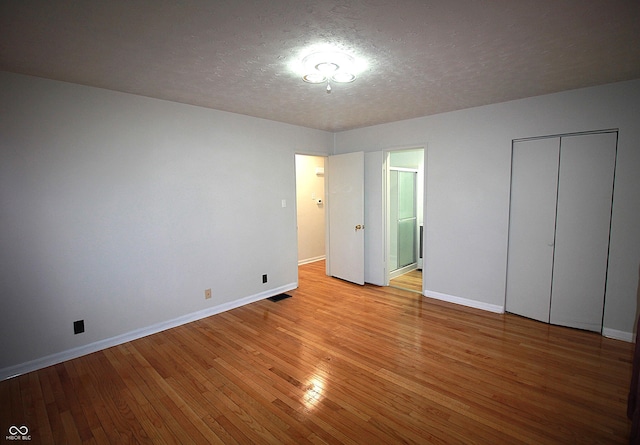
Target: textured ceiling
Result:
[424, 57]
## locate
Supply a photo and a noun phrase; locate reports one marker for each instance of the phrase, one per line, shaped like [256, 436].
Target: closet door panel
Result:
[534, 182]
[585, 188]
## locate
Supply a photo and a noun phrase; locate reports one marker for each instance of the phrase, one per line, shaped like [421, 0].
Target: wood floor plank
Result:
[336, 363]
[411, 280]
[42, 428]
[76, 418]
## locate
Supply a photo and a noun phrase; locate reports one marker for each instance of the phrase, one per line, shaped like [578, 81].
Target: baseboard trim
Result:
[311, 260]
[606, 332]
[464, 302]
[69, 354]
[629, 337]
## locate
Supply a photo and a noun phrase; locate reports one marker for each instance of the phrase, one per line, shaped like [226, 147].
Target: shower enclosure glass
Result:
[403, 218]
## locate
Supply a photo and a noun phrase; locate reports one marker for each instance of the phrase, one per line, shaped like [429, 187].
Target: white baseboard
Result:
[465, 302]
[606, 332]
[618, 335]
[69, 354]
[311, 260]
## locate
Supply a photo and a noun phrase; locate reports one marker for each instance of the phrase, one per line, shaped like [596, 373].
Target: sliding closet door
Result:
[585, 190]
[534, 180]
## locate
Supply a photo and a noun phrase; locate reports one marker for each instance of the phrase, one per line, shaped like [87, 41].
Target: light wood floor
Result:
[336, 363]
[409, 281]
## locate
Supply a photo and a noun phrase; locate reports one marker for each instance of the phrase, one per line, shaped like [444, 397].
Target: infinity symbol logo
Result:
[18, 430]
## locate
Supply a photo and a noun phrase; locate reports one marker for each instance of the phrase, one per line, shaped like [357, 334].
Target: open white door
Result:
[346, 216]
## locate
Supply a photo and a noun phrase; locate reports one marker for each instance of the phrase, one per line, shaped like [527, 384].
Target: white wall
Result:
[467, 191]
[311, 215]
[121, 210]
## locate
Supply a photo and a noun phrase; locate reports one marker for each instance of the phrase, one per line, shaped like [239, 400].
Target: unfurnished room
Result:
[319, 222]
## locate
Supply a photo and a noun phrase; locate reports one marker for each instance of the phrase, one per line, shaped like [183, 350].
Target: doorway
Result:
[404, 192]
[310, 207]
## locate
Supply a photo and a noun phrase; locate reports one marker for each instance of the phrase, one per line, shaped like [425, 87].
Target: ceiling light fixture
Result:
[320, 67]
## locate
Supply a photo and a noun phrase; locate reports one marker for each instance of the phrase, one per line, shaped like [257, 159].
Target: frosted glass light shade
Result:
[314, 78]
[328, 66]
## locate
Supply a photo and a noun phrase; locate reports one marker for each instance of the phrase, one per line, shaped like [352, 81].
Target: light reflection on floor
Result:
[315, 389]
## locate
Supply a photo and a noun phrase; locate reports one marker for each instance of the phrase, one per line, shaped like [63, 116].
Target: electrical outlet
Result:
[207, 294]
[264, 278]
[78, 327]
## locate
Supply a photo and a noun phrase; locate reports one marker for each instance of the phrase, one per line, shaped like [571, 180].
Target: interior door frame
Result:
[323, 197]
[386, 192]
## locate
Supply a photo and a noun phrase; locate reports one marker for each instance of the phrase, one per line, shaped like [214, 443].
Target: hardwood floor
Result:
[409, 281]
[336, 363]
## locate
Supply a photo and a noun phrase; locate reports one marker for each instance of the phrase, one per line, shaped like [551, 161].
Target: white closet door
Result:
[585, 190]
[532, 216]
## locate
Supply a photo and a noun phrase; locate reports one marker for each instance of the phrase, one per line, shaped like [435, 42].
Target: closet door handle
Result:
[551, 244]
[359, 227]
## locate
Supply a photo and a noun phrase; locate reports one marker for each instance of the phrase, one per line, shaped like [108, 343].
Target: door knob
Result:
[359, 227]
